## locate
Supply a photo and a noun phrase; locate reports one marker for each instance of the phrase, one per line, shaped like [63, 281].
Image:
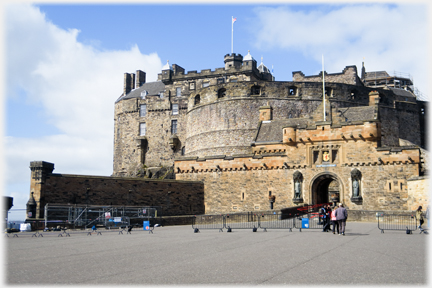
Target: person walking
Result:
[419, 217]
[325, 218]
[334, 221]
[341, 216]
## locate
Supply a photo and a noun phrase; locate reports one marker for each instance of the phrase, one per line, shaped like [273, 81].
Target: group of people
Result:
[336, 216]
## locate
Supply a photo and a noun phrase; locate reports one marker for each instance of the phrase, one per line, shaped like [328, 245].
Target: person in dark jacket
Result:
[341, 216]
[326, 218]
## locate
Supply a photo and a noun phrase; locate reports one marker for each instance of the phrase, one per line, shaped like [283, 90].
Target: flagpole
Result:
[323, 88]
[232, 34]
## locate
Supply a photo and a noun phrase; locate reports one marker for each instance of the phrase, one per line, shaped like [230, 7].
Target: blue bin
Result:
[305, 223]
[146, 225]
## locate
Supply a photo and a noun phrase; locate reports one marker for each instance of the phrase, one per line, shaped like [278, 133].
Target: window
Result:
[329, 92]
[143, 94]
[178, 91]
[292, 91]
[205, 84]
[255, 90]
[142, 129]
[174, 109]
[197, 100]
[183, 151]
[221, 93]
[192, 86]
[173, 126]
[234, 80]
[161, 95]
[143, 110]
[220, 80]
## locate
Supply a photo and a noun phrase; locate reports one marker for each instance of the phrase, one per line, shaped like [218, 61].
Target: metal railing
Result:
[251, 220]
[208, 222]
[396, 222]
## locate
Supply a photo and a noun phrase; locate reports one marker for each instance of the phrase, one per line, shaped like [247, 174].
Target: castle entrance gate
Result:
[326, 187]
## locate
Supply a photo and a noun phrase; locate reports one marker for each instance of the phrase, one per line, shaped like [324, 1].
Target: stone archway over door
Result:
[325, 188]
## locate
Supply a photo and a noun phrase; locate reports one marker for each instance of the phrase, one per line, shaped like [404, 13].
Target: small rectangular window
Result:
[161, 95]
[205, 84]
[143, 110]
[142, 129]
[143, 94]
[173, 126]
[174, 109]
[178, 91]
[233, 80]
[192, 85]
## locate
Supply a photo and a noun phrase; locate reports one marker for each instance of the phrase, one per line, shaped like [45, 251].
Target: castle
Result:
[259, 144]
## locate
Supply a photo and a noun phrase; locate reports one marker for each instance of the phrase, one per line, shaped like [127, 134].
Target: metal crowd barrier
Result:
[208, 222]
[406, 223]
[275, 221]
[241, 221]
[301, 217]
[249, 220]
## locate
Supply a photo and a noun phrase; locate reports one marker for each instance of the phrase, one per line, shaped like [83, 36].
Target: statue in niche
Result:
[355, 188]
[356, 176]
[297, 188]
[297, 177]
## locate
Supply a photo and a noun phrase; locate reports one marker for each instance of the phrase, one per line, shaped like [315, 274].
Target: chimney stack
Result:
[140, 78]
[127, 83]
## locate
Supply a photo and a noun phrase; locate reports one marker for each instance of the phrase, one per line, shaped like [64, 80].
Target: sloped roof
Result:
[376, 74]
[271, 131]
[401, 92]
[152, 88]
[355, 114]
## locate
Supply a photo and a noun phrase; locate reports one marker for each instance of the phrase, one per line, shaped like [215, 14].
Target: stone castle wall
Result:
[235, 184]
[174, 197]
[348, 76]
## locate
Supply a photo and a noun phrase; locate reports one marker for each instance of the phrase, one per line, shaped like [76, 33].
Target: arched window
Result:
[221, 92]
[197, 100]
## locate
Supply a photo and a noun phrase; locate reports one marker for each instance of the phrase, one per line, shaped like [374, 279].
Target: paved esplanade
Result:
[176, 255]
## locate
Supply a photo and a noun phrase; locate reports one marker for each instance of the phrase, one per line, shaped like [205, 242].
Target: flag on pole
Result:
[232, 33]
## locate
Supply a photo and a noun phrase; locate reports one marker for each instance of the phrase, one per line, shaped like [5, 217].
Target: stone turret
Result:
[233, 60]
[40, 170]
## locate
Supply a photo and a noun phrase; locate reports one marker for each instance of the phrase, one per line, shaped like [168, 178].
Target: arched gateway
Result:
[326, 187]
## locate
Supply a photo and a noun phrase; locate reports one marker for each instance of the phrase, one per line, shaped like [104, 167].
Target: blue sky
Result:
[64, 63]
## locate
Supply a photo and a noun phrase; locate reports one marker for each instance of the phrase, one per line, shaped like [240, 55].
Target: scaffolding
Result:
[84, 216]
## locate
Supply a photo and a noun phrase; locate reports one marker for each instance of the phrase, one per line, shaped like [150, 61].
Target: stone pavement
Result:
[175, 255]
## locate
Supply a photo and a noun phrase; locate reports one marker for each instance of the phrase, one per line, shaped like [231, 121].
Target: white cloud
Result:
[75, 84]
[389, 37]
